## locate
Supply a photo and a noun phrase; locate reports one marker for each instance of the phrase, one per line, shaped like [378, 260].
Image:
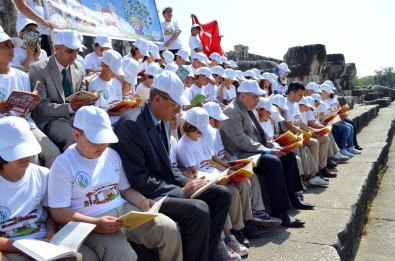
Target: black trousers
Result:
[281, 179]
[201, 221]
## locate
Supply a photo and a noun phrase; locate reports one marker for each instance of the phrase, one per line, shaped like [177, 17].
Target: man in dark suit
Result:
[243, 136]
[55, 78]
[144, 149]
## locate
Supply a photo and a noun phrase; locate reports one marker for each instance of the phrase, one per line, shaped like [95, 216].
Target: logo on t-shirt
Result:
[4, 213]
[82, 179]
[116, 166]
[3, 93]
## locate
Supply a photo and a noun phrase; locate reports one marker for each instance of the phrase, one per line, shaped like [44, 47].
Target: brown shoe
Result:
[325, 173]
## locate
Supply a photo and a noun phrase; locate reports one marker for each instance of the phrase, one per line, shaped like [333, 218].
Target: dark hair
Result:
[2, 162]
[153, 92]
[332, 95]
[269, 88]
[188, 128]
[296, 86]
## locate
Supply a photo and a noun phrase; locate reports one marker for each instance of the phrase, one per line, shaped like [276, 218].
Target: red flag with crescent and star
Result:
[209, 35]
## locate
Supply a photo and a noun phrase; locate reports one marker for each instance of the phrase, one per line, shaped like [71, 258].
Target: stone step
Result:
[332, 230]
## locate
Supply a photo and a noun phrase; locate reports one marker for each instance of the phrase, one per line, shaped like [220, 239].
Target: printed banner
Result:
[119, 19]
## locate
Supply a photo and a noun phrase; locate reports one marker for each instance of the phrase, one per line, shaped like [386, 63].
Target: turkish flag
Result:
[209, 35]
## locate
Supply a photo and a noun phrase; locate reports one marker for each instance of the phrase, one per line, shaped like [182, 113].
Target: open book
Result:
[323, 131]
[287, 138]
[343, 109]
[236, 177]
[254, 160]
[135, 219]
[335, 120]
[290, 141]
[292, 146]
[21, 101]
[199, 98]
[129, 103]
[182, 73]
[64, 243]
[82, 95]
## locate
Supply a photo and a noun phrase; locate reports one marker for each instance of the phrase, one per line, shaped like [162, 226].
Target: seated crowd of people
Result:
[166, 146]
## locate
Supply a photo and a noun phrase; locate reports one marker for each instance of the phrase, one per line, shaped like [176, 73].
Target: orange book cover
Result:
[21, 101]
[129, 103]
[329, 118]
[323, 131]
[239, 176]
[305, 136]
[286, 139]
[292, 146]
[343, 109]
[242, 162]
[335, 120]
[343, 115]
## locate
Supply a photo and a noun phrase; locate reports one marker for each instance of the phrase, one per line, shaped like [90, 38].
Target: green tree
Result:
[364, 81]
[385, 77]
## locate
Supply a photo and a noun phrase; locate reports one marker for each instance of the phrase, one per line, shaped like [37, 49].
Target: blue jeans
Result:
[342, 134]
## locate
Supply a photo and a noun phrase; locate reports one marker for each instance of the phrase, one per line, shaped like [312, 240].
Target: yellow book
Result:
[343, 109]
[286, 139]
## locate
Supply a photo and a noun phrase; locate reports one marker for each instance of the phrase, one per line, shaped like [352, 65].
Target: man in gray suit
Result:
[55, 78]
[243, 136]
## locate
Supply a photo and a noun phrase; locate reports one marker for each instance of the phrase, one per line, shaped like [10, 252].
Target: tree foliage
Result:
[134, 9]
[385, 77]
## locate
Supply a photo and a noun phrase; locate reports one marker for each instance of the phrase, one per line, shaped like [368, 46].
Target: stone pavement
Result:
[332, 230]
[379, 244]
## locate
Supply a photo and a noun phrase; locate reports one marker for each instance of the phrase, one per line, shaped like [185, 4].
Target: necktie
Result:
[162, 134]
[258, 128]
[66, 83]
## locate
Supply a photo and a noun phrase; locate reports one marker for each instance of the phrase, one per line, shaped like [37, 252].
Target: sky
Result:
[364, 31]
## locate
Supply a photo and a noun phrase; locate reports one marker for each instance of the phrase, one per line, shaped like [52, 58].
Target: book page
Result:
[255, 159]
[286, 139]
[82, 95]
[241, 175]
[135, 219]
[41, 250]
[155, 208]
[72, 235]
[210, 183]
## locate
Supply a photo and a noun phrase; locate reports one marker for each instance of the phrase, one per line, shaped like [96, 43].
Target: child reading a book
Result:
[143, 88]
[30, 52]
[91, 61]
[87, 183]
[110, 88]
[23, 188]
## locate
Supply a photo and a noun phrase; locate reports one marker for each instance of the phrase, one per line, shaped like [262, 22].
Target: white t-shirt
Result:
[195, 42]
[217, 145]
[112, 93]
[268, 127]
[193, 91]
[168, 30]
[195, 153]
[15, 80]
[140, 86]
[20, 56]
[229, 93]
[21, 204]
[323, 108]
[293, 114]
[332, 104]
[92, 62]
[38, 7]
[173, 151]
[211, 91]
[88, 186]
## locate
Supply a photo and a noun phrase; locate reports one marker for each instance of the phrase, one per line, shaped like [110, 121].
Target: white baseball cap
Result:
[142, 45]
[195, 26]
[70, 38]
[326, 87]
[311, 101]
[280, 101]
[153, 50]
[257, 73]
[317, 97]
[103, 41]
[23, 22]
[153, 69]
[171, 67]
[17, 140]
[313, 86]
[214, 111]
[250, 73]
[265, 103]
[96, 124]
[232, 64]
[199, 118]
[224, 60]
[230, 74]
[206, 72]
[284, 67]
[171, 84]
[201, 57]
[216, 57]
[330, 83]
[305, 101]
[5, 37]
[251, 86]
[274, 79]
[166, 7]
[131, 68]
[239, 75]
[266, 76]
[218, 70]
[276, 116]
[168, 56]
[113, 60]
[183, 54]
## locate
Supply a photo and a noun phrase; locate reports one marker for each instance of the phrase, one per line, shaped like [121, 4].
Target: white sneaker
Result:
[353, 150]
[225, 253]
[339, 157]
[316, 181]
[237, 247]
[346, 153]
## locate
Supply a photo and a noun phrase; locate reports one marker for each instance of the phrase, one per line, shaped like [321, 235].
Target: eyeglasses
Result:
[253, 96]
[170, 100]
